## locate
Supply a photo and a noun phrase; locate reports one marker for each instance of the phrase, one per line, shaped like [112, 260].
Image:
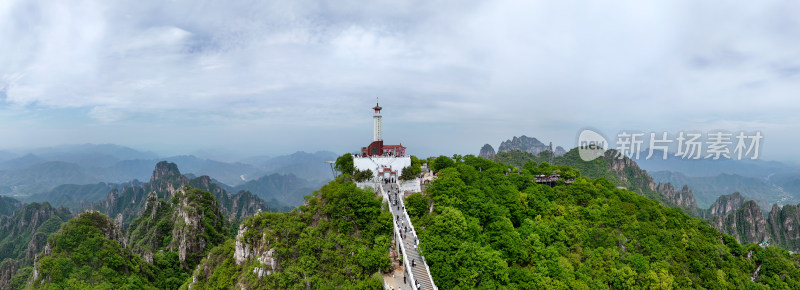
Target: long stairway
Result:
[420, 273]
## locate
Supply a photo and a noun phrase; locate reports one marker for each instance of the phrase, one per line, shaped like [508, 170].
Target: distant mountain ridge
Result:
[708, 189]
[71, 175]
[528, 144]
[166, 179]
[287, 189]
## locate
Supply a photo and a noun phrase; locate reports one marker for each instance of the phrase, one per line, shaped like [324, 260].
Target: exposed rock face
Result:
[259, 250]
[629, 172]
[165, 182]
[784, 226]
[524, 144]
[683, 198]
[559, 151]
[180, 225]
[24, 234]
[8, 268]
[487, 151]
[726, 204]
[747, 224]
[167, 178]
[244, 204]
[252, 246]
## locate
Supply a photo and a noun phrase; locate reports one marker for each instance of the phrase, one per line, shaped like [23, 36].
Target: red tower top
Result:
[377, 108]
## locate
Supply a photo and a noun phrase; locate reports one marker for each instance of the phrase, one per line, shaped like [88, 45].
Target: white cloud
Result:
[492, 68]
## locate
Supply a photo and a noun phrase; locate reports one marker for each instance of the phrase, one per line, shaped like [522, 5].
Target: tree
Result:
[345, 165]
[443, 162]
[362, 175]
[416, 204]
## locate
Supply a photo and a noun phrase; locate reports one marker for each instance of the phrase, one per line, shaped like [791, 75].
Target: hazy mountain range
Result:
[67, 175]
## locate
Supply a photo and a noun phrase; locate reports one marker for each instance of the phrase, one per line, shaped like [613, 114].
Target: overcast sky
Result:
[260, 77]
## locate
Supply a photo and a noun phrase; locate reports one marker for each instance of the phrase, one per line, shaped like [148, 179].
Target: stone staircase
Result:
[419, 273]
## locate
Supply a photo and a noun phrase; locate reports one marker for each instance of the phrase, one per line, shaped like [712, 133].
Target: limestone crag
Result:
[524, 144]
[166, 180]
[190, 223]
[784, 226]
[726, 204]
[487, 151]
[258, 249]
[24, 234]
[746, 224]
[683, 198]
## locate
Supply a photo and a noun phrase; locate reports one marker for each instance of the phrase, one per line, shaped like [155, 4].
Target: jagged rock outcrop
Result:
[487, 151]
[131, 201]
[746, 224]
[167, 178]
[784, 226]
[629, 172]
[8, 268]
[726, 204]
[24, 234]
[253, 247]
[683, 198]
[524, 144]
[258, 249]
[559, 151]
[189, 223]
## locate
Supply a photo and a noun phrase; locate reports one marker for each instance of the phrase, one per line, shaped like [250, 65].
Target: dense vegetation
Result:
[84, 254]
[22, 236]
[619, 171]
[491, 228]
[340, 238]
[412, 171]
[191, 221]
[344, 164]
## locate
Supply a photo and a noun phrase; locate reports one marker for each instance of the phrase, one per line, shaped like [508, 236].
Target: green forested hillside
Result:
[622, 172]
[189, 224]
[86, 253]
[491, 229]
[22, 235]
[339, 239]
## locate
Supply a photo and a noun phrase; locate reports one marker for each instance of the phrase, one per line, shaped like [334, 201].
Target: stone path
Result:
[420, 274]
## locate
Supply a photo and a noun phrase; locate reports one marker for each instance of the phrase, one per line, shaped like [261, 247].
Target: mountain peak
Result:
[165, 170]
[487, 151]
[527, 144]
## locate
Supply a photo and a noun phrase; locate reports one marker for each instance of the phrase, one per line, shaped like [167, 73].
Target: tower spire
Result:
[376, 132]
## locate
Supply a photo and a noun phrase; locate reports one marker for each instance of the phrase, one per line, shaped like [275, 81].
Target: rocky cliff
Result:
[745, 221]
[527, 144]
[24, 234]
[726, 204]
[313, 247]
[487, 151]
[683, 198]
[189, 223]
[166, 181]
[783, 225]
[746, 224]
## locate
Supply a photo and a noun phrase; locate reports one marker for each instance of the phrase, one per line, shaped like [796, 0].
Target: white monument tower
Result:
[376, 134]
